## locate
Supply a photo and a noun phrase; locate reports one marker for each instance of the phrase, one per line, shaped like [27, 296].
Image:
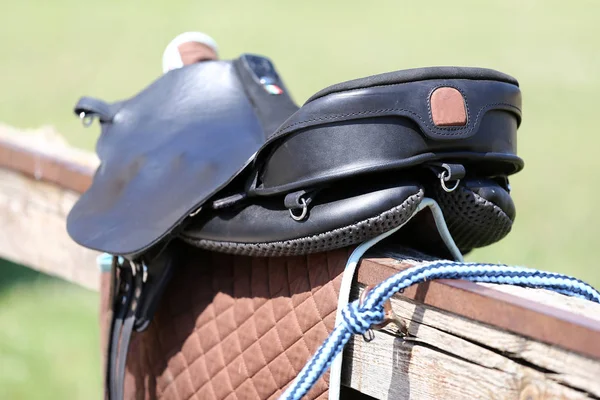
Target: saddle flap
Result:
[163, 154]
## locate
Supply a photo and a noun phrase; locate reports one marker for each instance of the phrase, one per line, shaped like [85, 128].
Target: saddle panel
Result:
[164, 152]
[479, 212]
[337, 218]
[347, 132]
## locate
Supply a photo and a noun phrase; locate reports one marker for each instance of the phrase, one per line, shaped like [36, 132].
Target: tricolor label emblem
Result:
[273, 89]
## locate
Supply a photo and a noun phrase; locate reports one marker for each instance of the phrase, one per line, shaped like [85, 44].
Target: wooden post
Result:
[40, 180]
[468, 340]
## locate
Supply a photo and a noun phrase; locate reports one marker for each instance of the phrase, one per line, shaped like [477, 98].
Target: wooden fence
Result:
[472, 340]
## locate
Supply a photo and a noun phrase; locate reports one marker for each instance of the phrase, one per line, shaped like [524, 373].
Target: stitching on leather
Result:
[237, 333]
[255, 341]
[301, 338]
[186, 371]
[199, 344]
[255, 310]
[274, 327]
[306, 262]
[230, 307]
[161, 346]
[274, 319]
[438, 131]
[315, 303]
[220, 342]
[404, 83]
[267, 366]
[255, 331]
[172, 384]
[203, 356]
[213, 321]
[298, 322]
[277, 330]
[312, 327]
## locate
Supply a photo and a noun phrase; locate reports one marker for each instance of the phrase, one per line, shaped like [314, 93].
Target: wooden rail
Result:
[41, 177]
[470, 340]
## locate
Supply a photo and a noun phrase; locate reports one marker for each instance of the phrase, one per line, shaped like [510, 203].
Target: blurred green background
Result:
[53, 52]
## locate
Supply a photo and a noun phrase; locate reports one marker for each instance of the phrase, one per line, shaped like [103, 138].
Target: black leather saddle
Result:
[356, 159]
[217, 155]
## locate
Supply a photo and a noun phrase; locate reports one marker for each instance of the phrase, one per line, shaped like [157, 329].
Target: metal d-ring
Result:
[444, 178]
[86, 119]
[304, 211]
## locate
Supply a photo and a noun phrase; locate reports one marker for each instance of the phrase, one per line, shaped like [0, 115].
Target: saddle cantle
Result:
[218, 155]
[171, 147]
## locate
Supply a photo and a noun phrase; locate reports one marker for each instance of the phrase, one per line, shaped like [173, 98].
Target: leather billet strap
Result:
[127, 292]
[136, 289]
[335, 375]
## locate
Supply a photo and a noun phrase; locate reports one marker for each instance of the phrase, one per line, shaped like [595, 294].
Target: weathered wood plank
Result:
[565, 326]
[32, 216]
[44, 155]
[41, 177]
[455, 357]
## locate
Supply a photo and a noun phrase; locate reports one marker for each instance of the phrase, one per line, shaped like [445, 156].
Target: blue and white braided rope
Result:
[358, 318]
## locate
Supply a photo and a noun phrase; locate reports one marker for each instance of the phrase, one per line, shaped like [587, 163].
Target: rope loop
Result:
[359, 319]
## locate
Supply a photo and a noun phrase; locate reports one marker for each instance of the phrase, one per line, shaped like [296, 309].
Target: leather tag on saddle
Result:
[448, 107]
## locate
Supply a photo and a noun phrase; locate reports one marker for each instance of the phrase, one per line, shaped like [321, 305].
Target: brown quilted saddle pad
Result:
[234, 327]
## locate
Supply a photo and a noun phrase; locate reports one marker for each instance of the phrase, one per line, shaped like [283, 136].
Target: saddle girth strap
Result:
[136, 289]
[125, 303]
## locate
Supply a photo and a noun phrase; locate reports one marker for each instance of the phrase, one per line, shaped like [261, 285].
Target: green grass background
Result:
[52, 52]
